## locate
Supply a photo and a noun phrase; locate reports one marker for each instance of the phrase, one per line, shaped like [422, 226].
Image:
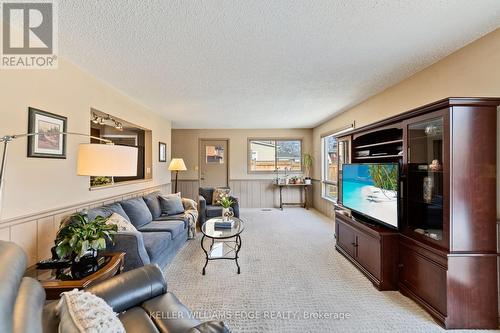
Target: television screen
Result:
[372, 190]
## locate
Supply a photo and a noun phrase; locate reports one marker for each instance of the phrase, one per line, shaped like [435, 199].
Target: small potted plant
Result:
[226, 202]
[79, 239]
[308, 162]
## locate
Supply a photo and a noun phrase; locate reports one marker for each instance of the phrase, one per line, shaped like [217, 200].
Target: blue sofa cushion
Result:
[106, 211]
[207, 193]
[137, 211]
[171, 204]
[178, 217]
[152, 200]
[215, 211]
[156, 243]
[174, 227]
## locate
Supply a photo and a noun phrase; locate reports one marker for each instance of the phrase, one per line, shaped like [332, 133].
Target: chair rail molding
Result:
[35, 233]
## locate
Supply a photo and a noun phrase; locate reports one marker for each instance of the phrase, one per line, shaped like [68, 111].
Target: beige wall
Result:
[34, 185]
[185, 145]
[473, 71]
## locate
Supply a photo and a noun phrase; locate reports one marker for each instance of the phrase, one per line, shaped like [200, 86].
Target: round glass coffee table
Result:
[225, 242]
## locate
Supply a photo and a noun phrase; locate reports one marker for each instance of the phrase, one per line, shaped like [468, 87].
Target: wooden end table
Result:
[303, 186]
[54, 286]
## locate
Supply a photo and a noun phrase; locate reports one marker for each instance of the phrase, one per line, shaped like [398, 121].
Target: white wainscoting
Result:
[251, 193]
[35, 233]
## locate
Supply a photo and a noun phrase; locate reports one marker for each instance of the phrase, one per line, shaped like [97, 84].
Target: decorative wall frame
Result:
[50, 143]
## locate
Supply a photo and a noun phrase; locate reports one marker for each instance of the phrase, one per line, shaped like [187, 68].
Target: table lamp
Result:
[177, 164]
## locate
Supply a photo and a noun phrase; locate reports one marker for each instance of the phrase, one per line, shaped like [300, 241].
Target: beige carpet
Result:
[292, 280]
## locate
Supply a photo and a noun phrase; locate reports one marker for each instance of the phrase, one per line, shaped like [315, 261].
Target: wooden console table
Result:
[302, 204]
[54, 286]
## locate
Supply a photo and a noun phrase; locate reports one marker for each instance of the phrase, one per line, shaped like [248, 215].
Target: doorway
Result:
[214, 162]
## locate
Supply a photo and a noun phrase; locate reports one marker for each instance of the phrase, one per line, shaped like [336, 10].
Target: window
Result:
[330, 167]
[214, 154]
[266, 155]
[334, 153]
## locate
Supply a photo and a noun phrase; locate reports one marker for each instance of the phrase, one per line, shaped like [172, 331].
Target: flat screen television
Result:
[372, 190]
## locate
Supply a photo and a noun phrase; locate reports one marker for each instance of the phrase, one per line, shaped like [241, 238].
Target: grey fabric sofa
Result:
[140, 296]
[207, 210]
[159, 237]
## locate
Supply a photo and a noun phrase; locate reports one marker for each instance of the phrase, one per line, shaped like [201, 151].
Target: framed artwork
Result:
[162, 152]
[214, 154]
[50, 143]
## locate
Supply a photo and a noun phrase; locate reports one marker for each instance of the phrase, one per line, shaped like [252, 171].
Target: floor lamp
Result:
[177, 164]
[93, 159]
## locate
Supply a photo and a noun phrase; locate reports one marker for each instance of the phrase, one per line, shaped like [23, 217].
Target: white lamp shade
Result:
[106, 160]
[177, 164]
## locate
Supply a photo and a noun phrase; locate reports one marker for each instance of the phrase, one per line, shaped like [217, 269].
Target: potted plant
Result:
[308, 162]
[79, 239]
[226, 202]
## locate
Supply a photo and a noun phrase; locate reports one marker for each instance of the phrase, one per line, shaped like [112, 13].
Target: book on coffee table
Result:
[221, 224]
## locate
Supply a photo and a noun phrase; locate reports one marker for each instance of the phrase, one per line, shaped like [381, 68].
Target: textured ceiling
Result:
[263, 63]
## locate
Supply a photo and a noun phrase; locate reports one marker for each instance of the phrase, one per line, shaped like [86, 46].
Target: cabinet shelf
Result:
[376, 157]
[426, 171]
[379, 144]
[421, 202]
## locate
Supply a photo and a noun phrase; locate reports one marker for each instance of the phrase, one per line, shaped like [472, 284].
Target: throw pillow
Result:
[83, 312]
[138, 212]
[171, 204]
[121, 222]
[218, 194]
[152, 200]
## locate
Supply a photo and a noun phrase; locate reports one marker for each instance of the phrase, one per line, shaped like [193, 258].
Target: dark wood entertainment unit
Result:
[444, 254]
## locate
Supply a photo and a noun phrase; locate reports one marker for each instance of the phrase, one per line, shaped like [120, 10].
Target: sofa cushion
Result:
[207, 193]
[174, 227]
[83, 312]
[137, 211]
[177, 217]
[220, 193]
[156, 243]
[121, 223]
[171, 204]
[106, 211]
[169, 303]
[215, 211]
[137, 320]
[152, 200]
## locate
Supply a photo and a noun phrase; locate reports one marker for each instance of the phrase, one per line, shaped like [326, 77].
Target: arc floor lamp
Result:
[93, 159]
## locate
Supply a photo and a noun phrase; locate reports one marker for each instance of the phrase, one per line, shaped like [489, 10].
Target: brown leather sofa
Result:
[140, 297]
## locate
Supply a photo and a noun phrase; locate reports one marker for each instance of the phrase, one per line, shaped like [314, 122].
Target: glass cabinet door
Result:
[424, 195]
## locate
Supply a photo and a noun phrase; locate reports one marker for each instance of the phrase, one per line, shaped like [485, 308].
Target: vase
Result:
[427, 190]
[227, 214]
[86, 265]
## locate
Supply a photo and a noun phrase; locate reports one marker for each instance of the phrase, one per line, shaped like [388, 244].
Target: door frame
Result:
[200, 140]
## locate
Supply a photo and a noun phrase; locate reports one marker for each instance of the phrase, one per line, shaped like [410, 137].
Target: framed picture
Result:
[50, 143]
[162, 152]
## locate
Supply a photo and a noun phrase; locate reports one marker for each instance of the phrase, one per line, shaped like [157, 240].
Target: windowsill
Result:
[273, 172]
[130, 182]
[329, 199]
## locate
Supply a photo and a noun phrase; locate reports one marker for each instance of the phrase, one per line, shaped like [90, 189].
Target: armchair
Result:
[207, 210]
[140, 296]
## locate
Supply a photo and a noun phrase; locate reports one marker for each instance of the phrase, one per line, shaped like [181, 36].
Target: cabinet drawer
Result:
[346, 238]
[423, 277]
